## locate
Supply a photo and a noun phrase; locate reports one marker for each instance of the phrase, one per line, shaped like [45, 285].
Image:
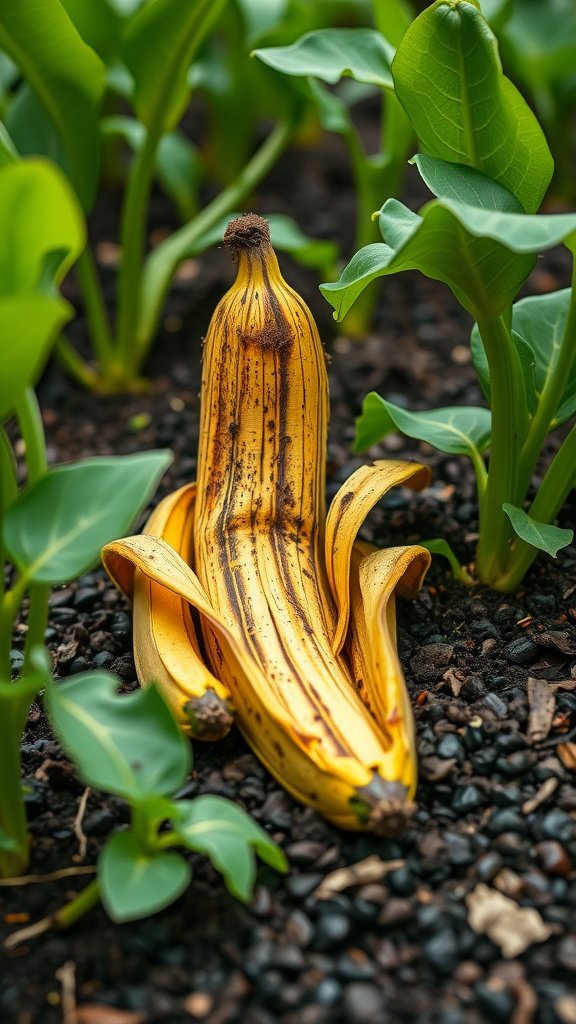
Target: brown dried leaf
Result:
[456, 678]
[567, 754]
[542, 701]
[372, 869]
[512, 928]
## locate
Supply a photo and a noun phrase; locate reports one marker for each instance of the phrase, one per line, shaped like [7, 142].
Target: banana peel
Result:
[296, 617]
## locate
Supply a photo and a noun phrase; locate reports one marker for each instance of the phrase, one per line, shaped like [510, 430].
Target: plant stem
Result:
[75, 365]
[95, 308]
[558, 481]
[63, 918]
[559, 374]
[15, 701]
[32, 431]
[132, 243]
[163, 261]
[509, 419]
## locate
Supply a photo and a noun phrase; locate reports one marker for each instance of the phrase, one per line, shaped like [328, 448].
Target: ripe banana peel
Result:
[297, 616]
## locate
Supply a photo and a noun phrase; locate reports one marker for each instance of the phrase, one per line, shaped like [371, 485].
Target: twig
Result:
[66, 975]
[52, 876]
[80, 836]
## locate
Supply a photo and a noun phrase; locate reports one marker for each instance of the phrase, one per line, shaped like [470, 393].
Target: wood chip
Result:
[542, 702]
[372, 869]
[510, 927]
[567, 754]
[541, 796]
[99, 1013]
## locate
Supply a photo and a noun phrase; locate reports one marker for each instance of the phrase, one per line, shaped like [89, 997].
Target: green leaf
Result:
[392, 18]
[374, 423]
[99, 24]
[39, 217]
[439, 546]
[466, 184]
[497, 12]
[29, 325]
[483, 255]
[260, 16]
[8, 842]
[129, 745]
[160, 43]
[539, 41]
[229, 837]
[288, 237]
[538, 324]
[457, 430]
[333, 112]
[540, 535]
[56, 528]
[134, 882]
[65, 74]
[448, 77]
[8, 151]
[331, 53]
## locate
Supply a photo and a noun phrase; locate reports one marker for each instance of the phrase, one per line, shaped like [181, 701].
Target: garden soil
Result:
[421, 930]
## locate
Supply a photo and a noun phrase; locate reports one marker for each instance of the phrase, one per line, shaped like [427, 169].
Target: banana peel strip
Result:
[376, 576]
[348, 510]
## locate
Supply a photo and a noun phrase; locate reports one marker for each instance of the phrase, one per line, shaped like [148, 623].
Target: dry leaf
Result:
[512, 928]
[456, 678]
[557, 639]
[99, 1013]
[372, 869]
[567, 754]
[542, 701]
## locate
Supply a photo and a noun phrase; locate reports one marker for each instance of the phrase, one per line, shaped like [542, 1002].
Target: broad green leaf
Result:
[333, 112]
[229, 837]
[134, 882]
[56, 528]
[484, 256]
[8, 842]
[538, 324]
[160, 43]
[288, 237]
[260, 16]
[539, 41]
[40, 223]
[8, 152]
[178, 165]
[439, 546]
[456, 181]
[392, 18]
[448, 77]
[31, 127]
[457, 430]
[99, 24]
[29, 325]
[540, 535]
[374, 423]
[331, 53]
[65, 74]
[129, 745]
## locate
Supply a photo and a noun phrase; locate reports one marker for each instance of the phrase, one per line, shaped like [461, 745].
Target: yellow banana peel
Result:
[297, 617]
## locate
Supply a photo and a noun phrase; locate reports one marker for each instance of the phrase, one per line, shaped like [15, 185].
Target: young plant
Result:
[298, 620]
[365, 55]
[486, 160]
[73, 59]
[51, 529]
[132, 747]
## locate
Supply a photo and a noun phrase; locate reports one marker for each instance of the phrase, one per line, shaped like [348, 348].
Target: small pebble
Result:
[362, 1002]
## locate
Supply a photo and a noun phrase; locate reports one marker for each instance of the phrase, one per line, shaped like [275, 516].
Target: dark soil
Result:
[494, 805]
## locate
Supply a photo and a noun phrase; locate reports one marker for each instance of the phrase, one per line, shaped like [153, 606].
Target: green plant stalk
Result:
[8, 490]
[75, 365]
[509, 419]
[551, 393]
[163, 261]
[63, 918]
[95, 308]
[15, 701]
[132, 245]
[32, 431]
[558, 481]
